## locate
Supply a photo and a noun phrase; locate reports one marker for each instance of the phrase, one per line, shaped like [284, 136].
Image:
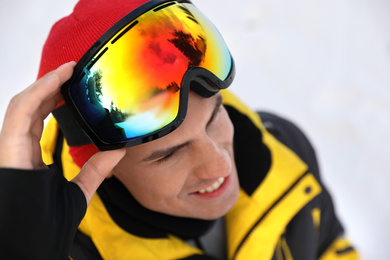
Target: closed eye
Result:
[164, 155]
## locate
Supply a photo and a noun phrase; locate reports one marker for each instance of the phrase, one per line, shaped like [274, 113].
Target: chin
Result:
[216, 213]
[213, 215]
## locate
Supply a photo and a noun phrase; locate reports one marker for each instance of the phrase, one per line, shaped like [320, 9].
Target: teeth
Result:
[213, 187]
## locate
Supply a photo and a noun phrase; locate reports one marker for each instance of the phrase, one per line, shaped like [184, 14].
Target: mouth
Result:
[215, 186]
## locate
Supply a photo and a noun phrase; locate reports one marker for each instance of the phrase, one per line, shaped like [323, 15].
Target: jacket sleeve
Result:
[333, 245]
[40, 213]
[340, 249]
[331, 242]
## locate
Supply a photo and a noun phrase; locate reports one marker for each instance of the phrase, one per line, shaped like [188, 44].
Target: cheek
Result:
[154, 187]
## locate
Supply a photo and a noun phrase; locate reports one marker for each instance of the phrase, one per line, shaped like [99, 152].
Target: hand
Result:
[23, 126]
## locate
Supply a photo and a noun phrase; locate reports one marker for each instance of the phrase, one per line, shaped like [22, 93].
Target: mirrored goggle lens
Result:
[132, 86]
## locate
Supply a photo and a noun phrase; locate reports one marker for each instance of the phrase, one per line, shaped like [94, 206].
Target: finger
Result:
[96, 170]
[35, 102]
[23, 120]
[62, 74]
[47, 89]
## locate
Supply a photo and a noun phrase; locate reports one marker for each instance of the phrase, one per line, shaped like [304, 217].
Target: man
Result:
[209, 182]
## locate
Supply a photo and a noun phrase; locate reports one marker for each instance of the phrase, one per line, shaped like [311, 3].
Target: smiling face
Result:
[190, 172]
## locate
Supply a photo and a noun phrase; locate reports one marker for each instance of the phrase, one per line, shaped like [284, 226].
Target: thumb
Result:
[96, 170]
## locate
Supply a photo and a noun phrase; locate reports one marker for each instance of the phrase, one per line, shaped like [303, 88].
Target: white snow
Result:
[323, 64]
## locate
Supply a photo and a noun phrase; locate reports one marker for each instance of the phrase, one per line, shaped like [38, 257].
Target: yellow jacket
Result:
[286, 215]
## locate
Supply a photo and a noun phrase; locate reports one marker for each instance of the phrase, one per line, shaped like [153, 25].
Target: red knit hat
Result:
[73, 35]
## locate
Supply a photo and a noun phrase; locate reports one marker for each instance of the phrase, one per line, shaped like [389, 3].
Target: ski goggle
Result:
[132, 85]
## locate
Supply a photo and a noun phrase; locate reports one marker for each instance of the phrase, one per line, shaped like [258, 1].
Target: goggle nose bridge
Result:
[205, 83]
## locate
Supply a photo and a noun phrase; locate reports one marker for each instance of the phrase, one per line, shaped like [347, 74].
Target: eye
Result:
[169, 154]
[166, 157]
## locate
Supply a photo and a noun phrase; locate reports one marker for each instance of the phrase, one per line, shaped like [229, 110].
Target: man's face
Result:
[190, 172]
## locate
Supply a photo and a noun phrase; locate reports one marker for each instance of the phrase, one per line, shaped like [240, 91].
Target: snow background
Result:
[325, 65]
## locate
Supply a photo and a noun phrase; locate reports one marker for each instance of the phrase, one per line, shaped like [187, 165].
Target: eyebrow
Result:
[165, 152]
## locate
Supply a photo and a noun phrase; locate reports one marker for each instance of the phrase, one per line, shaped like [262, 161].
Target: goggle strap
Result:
[71, 130]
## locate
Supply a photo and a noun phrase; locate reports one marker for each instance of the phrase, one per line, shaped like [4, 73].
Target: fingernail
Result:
[63, 65]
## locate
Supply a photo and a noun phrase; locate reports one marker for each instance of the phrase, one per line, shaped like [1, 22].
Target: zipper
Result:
[266, 213]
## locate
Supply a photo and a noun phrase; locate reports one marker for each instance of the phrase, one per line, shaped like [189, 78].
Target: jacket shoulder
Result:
[292, 136]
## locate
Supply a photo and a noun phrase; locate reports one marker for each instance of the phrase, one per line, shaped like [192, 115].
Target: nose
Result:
[211, 160]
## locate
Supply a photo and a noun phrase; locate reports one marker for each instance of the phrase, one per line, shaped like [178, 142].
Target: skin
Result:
[22, 131]
[165, 175]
